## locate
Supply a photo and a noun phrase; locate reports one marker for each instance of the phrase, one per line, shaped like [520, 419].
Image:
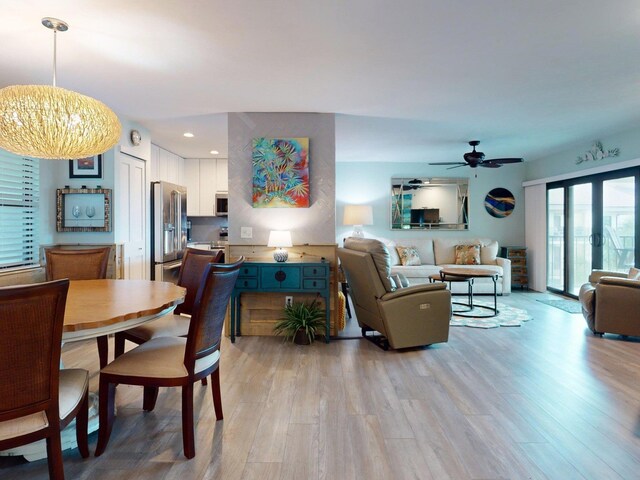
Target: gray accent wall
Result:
[313, 225]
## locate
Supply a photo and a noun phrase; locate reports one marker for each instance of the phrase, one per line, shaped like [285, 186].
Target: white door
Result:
[132, 203]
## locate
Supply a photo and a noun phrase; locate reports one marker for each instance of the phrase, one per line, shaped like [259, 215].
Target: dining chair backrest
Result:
[194, 262]
[31, 321]
[79, 264]
[210, 308]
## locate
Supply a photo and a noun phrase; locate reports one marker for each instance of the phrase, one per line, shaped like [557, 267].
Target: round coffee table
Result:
[457, 274]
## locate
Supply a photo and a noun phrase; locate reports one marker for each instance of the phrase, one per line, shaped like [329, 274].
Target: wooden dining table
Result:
[97, 308]
[102, 307]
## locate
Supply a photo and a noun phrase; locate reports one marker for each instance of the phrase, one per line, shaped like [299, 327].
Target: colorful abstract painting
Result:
[280, 172]
[499, 202]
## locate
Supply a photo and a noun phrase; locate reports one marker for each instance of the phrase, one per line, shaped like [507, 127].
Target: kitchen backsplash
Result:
[206, 229]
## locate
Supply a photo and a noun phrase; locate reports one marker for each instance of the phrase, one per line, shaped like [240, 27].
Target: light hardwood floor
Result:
[545, 400]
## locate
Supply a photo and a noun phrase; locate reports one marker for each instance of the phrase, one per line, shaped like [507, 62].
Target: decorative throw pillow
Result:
[409, 256]
[634, 273]
[467, 254]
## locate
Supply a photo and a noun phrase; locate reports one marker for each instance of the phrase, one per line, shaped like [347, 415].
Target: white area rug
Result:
[508, 316]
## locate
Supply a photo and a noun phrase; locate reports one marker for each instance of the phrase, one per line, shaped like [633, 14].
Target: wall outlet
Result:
[288, 301]
[246, 232]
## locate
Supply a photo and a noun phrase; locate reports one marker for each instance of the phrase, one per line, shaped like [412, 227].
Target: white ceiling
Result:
[412, 80]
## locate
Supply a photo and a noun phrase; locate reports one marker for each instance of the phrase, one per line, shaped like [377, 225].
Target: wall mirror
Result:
[429, 203]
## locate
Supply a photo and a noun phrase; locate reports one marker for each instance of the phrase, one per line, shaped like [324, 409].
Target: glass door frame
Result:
[597, 209]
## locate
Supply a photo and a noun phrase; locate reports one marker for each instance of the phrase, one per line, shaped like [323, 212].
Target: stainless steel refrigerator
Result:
[168, 230]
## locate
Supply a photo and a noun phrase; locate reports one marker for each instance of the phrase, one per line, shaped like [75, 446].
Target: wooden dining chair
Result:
[193, 265]
[37, 399]
[80, 264]
[176, 361]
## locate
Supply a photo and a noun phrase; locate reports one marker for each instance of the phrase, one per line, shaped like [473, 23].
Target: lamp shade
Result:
[279, 238]
[43, 121]
[358, 215]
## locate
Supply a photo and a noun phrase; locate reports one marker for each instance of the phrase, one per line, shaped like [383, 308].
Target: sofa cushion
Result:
[394, 259]
[467, 255]
[380, 255]
[634, 273]
[489, 253]
[408, 256]
[421, 271]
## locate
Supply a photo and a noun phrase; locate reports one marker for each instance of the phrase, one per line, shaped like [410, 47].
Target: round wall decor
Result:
[499, 202]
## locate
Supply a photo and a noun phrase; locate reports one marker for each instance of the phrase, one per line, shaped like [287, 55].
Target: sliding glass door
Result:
[592, 222]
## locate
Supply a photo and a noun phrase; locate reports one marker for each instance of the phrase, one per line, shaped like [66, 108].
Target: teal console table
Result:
[263, 277]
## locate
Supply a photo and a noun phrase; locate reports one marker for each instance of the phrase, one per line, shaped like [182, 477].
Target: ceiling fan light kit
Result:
[475, 159]
[42, 121]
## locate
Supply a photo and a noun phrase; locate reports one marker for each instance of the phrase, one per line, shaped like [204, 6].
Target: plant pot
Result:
[301, 338]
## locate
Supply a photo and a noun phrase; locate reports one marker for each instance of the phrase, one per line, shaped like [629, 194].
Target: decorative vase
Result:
[301, 338]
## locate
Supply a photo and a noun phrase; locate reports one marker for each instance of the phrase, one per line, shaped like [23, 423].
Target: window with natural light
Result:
[19, 204]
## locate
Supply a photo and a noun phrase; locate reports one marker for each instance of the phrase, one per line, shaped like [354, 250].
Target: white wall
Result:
[313, 225]
[362, 183]
[564, 162]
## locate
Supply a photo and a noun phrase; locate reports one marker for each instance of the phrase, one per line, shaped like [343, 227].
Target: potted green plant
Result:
[301, 322]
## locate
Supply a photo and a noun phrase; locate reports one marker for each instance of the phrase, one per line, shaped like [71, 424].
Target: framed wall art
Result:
[89, 167]
[280, 173]
[499, 202]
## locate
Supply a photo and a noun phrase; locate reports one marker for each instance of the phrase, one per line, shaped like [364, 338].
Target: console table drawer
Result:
[313, 284]
[280, 277]
[314, 272]
[248, 271]
[247, 283]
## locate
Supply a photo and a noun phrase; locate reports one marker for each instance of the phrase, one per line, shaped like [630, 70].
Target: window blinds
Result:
[19, 203]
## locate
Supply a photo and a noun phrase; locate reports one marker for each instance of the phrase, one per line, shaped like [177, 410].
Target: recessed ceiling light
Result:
[188, 134]
[214, 152]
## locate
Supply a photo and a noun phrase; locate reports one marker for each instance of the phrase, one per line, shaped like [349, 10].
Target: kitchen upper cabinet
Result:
[192, 182]
[208, 173]
[166, 166]
[204, 178]
[222, 175]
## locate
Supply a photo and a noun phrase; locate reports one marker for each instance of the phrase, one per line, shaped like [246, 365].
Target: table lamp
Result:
[357, 215]
[280, 239]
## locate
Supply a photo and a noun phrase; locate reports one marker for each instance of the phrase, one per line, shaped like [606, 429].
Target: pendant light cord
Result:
[55, 31]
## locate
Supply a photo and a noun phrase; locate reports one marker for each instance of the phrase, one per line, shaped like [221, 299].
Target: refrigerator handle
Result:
[177, 212]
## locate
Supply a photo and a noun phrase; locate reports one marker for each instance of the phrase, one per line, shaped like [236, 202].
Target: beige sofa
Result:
[436, 253]
[404, 317]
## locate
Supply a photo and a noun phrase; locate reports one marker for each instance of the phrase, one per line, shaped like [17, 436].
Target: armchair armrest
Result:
[402, 292]
[622, 282]
[505, 263]
[597, 274]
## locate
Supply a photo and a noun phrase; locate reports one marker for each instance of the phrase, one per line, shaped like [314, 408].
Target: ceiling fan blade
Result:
[490, 164]
[458, 166]
[448, 163]
[505, 160]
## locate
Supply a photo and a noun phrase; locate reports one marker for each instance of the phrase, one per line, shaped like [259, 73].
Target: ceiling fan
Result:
[475, 159]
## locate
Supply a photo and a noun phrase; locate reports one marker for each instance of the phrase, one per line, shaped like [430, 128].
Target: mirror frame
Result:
[404, 184]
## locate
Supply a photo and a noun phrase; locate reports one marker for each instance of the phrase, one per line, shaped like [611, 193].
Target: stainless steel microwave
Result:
[222, 204]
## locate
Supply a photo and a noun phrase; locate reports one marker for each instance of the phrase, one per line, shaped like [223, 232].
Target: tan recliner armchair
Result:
[610, 303]
[405, 317]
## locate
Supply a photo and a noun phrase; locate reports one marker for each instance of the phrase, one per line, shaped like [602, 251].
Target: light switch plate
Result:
[246, 232]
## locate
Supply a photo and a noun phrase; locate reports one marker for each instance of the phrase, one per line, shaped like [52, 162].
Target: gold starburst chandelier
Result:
[42, 121]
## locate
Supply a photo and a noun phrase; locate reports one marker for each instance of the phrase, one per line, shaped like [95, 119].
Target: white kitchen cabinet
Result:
[204, 178]
[208, 173]
[192, 182]
[222, 175]
[166, 166]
